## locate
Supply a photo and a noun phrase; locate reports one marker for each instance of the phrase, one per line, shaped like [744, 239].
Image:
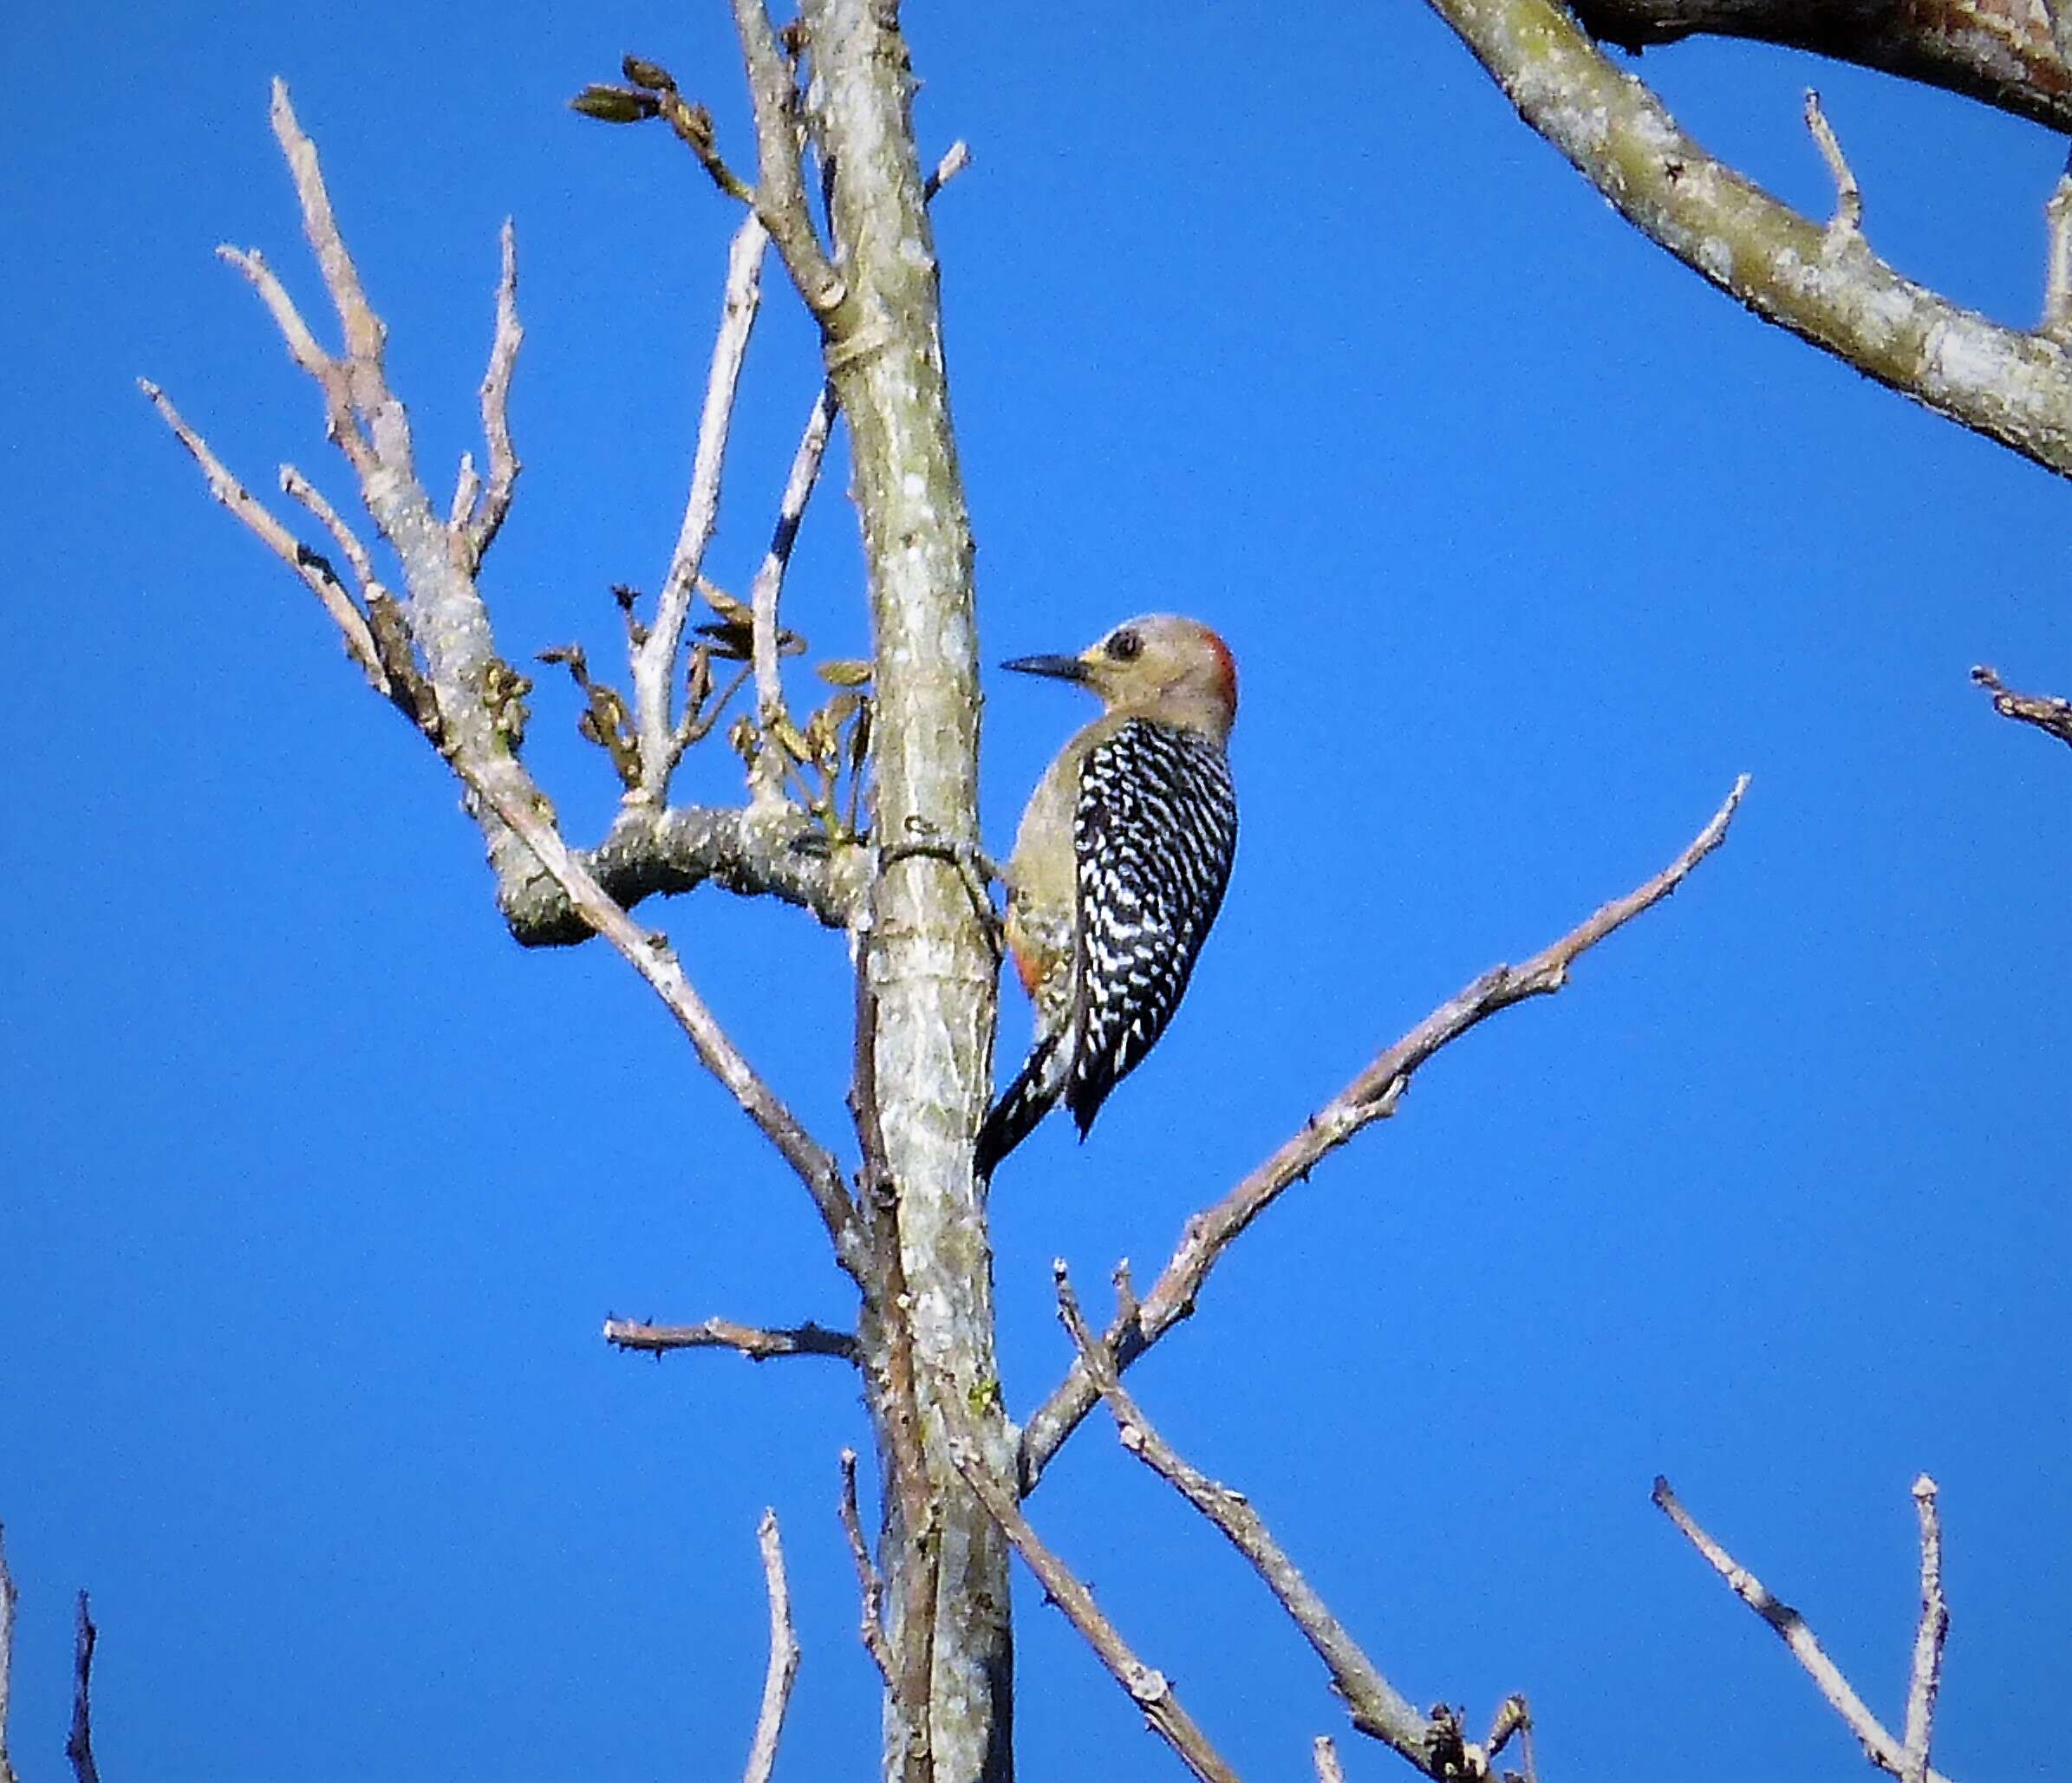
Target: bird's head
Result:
[1160, 666]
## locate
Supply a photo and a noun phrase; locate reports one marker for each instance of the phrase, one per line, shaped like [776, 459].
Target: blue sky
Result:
[1528, 543]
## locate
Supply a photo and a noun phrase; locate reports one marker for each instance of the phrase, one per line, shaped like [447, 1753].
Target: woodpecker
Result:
[1119, 867]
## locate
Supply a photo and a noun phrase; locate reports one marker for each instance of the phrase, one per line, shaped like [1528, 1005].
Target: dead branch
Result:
[656, 657]
[2009, 384]
[756, 1342]
[1879, 1746]
[9, 1598]
[781, 197]
[480, 525]
[1328, 1768]
[1373, 1095]
[312, 566]
[1379, 1708]
[783, 1656]
[79, 1743]
[870, 1584]
[2047, 712]
[1934, 1628]
[1151, 1690]
[510, 794]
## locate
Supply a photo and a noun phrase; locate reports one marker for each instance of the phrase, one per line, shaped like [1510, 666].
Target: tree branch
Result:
[315, 569]
[1326, 1755]
[756, 1342]
[2047, 712]
[2012, 386]
[780, 199]
[1999, 52]
[9, 1598]
[655, 658]
[481, 525]
[1151, 1690]
[1879, 1746]
[477, 716]
[1928, 1639]
[771, 851]
[783, 1656]
[870, 1584]
[1370, 1097]
[506, 789]
[1379, 1708]
[79, 1743]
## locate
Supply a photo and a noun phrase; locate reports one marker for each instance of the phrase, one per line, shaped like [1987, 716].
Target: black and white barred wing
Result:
[1155, 833]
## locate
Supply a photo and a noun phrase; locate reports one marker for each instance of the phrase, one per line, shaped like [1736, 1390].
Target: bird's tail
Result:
[1025, 1103]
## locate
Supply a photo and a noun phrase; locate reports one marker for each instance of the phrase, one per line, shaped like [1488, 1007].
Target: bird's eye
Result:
[1124, 646]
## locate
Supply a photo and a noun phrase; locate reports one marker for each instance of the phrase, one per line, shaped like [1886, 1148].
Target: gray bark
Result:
[928, 966]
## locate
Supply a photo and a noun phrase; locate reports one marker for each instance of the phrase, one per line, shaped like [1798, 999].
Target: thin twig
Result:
[315, 569]
[955, 158]
[1879, 1746]
[342, 418]
[1928, 1639]
[1370, 1097]
[1379, 1708]
[365, 337]
[768, 584]
[79, 1743]
[870, 1583]
[655, 661]
[1149, 1689]
[1328, 1768]
[783, 1656]
[2046, 712]
[9, 1598]
[1514, 1718]
[299, 488]
[756, 1342]
[481, 526]
[1846, 224]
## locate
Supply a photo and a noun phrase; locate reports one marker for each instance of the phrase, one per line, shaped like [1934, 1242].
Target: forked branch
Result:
[1373, 1095]
[1886, 1752]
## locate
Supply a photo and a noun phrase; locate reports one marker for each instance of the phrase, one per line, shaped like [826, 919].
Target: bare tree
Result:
[862, 813]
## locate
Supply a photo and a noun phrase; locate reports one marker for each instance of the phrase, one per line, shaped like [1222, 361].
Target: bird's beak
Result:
[1059, 668]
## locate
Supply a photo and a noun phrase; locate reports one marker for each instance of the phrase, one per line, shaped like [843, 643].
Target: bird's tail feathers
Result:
[1025, 1102]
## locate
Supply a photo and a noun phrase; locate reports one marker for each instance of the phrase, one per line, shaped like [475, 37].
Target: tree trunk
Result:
[926, 963]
